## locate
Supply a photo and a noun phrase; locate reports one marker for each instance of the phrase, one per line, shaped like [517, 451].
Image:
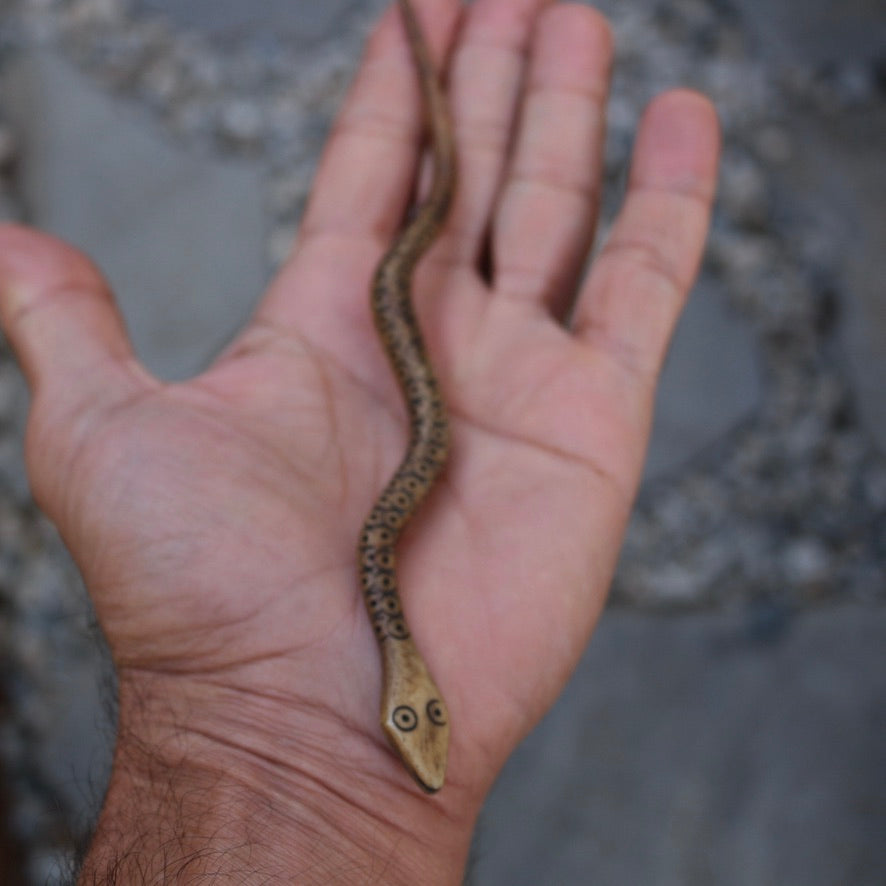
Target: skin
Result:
[214, 521]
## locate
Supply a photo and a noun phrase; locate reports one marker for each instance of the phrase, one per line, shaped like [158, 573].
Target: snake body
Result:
[414, 716]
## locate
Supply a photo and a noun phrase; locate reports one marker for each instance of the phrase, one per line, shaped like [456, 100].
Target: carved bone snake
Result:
[414, 716]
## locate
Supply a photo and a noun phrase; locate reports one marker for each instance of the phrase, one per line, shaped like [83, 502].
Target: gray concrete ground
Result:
[260, 22]
[159, 220]
[840, 169]
[741, 745]
[688, 752]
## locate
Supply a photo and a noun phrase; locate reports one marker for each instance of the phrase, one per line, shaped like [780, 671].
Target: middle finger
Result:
[485, 80]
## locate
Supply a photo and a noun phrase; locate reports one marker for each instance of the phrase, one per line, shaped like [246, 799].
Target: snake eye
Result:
[436, 712]
[405, 718]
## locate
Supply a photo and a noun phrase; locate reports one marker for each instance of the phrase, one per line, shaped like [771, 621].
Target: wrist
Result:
[222, 786]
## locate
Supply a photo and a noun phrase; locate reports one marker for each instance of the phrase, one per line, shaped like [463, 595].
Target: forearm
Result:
[187, 804]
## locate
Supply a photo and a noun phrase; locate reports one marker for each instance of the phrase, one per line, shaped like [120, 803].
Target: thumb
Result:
[60, 318]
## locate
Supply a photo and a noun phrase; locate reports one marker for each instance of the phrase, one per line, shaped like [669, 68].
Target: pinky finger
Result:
[639, 283]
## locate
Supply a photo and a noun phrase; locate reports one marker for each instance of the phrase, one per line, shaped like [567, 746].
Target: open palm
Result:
[215, 521]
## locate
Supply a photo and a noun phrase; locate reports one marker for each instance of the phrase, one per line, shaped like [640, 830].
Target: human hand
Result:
[215, 521]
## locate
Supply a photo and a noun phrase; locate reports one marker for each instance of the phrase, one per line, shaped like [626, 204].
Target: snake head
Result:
[414, 716]
[419, 732]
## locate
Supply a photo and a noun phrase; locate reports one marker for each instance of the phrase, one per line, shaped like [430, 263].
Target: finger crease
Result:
[596, 97]
[584, 190]
[317, 232]
[482, 134]
[56, 298]
[517, 49]
[694, 190]
[646, 257]
[514, 280]
[622, 353]
[377, 126]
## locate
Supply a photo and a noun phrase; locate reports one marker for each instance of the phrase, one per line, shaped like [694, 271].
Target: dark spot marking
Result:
[397, 629]
[390, 605]
[394, 520]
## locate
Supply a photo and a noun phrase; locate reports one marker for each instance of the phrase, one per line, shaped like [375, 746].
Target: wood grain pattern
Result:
[414, 716]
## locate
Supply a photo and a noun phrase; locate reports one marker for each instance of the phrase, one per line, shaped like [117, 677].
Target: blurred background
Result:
[728, 722]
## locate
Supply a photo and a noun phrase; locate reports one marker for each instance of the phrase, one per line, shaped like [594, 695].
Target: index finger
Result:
[366, 173]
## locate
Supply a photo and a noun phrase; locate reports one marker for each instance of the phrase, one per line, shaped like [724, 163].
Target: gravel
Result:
[788, 510]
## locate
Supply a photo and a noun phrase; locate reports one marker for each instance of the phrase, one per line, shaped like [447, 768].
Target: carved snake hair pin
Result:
[414, 716]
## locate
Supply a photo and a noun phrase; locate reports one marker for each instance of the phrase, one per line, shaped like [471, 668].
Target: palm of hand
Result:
[226, 512]
[215, 521]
